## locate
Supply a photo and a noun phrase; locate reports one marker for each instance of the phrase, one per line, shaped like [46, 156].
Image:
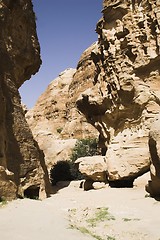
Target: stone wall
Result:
[125, 96]
[22, 163]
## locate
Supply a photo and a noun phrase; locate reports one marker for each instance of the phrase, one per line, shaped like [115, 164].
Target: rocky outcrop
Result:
[7, 186]
[153, 186]
[125, 95]
[93, 167]
[22, 164]
[55, 120]
[48, 117]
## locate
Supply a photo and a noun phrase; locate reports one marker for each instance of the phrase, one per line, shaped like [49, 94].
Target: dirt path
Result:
[136, 217]
[37, 220]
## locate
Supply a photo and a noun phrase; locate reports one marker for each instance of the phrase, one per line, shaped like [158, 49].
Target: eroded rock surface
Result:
[55, 120]
[125, 97]
[19, 52]
[49, 114]
[93, 167]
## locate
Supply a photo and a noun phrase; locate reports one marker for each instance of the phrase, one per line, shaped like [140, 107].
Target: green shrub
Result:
[67, 170]
[85, 147]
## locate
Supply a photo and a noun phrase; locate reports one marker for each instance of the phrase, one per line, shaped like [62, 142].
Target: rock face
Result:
[124, 97]
[48, 117]
[153, 186]
[22, 163]
[7, 186]
[127, 160]
[93, 167]
[82, 80]
[55, 121]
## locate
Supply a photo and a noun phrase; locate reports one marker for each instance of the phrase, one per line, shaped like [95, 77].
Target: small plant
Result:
[3, 201]
[59, 130]
[84, 230]
[147, 195]
[73, 211]
[101, 215]
[130, 219]
[110, 238]
[127, 219]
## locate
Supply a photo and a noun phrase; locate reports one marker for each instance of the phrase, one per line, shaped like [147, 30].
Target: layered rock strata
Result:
[22, 164]
[125, 97]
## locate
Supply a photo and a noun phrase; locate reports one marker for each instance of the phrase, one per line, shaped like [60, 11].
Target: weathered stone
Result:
[142, 180]
[19, 52]
[56, 116]
[48, 117]
[153, 186]
[125, 95]
[8, 189]
[127, 159]
[56, 124]
[82, 79]
[55, 149]
[93, 167]
[99, 185]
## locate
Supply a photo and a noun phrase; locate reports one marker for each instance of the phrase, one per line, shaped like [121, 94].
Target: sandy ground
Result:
[136, 216]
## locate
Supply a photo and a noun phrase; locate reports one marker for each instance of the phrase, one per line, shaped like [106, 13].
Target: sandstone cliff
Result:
[22, 168]
[116, 88]
[55, 120]
[125, 95]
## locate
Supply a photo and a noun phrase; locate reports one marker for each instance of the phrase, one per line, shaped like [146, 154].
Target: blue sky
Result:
[65, 29]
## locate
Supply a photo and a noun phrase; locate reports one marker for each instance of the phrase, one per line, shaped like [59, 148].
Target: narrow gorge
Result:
[114, 89]
[112, 100]
[112, 95]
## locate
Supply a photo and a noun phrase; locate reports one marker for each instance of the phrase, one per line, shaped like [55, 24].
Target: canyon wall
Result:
[115, 87]
[124, 97]
[55, 121]
[22, 167]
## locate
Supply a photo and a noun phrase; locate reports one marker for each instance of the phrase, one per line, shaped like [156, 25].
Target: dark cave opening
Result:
[32, 192]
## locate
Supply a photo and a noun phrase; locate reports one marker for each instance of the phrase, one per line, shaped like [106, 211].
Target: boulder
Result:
[128, 159]
[93, 167]
[55, 149]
